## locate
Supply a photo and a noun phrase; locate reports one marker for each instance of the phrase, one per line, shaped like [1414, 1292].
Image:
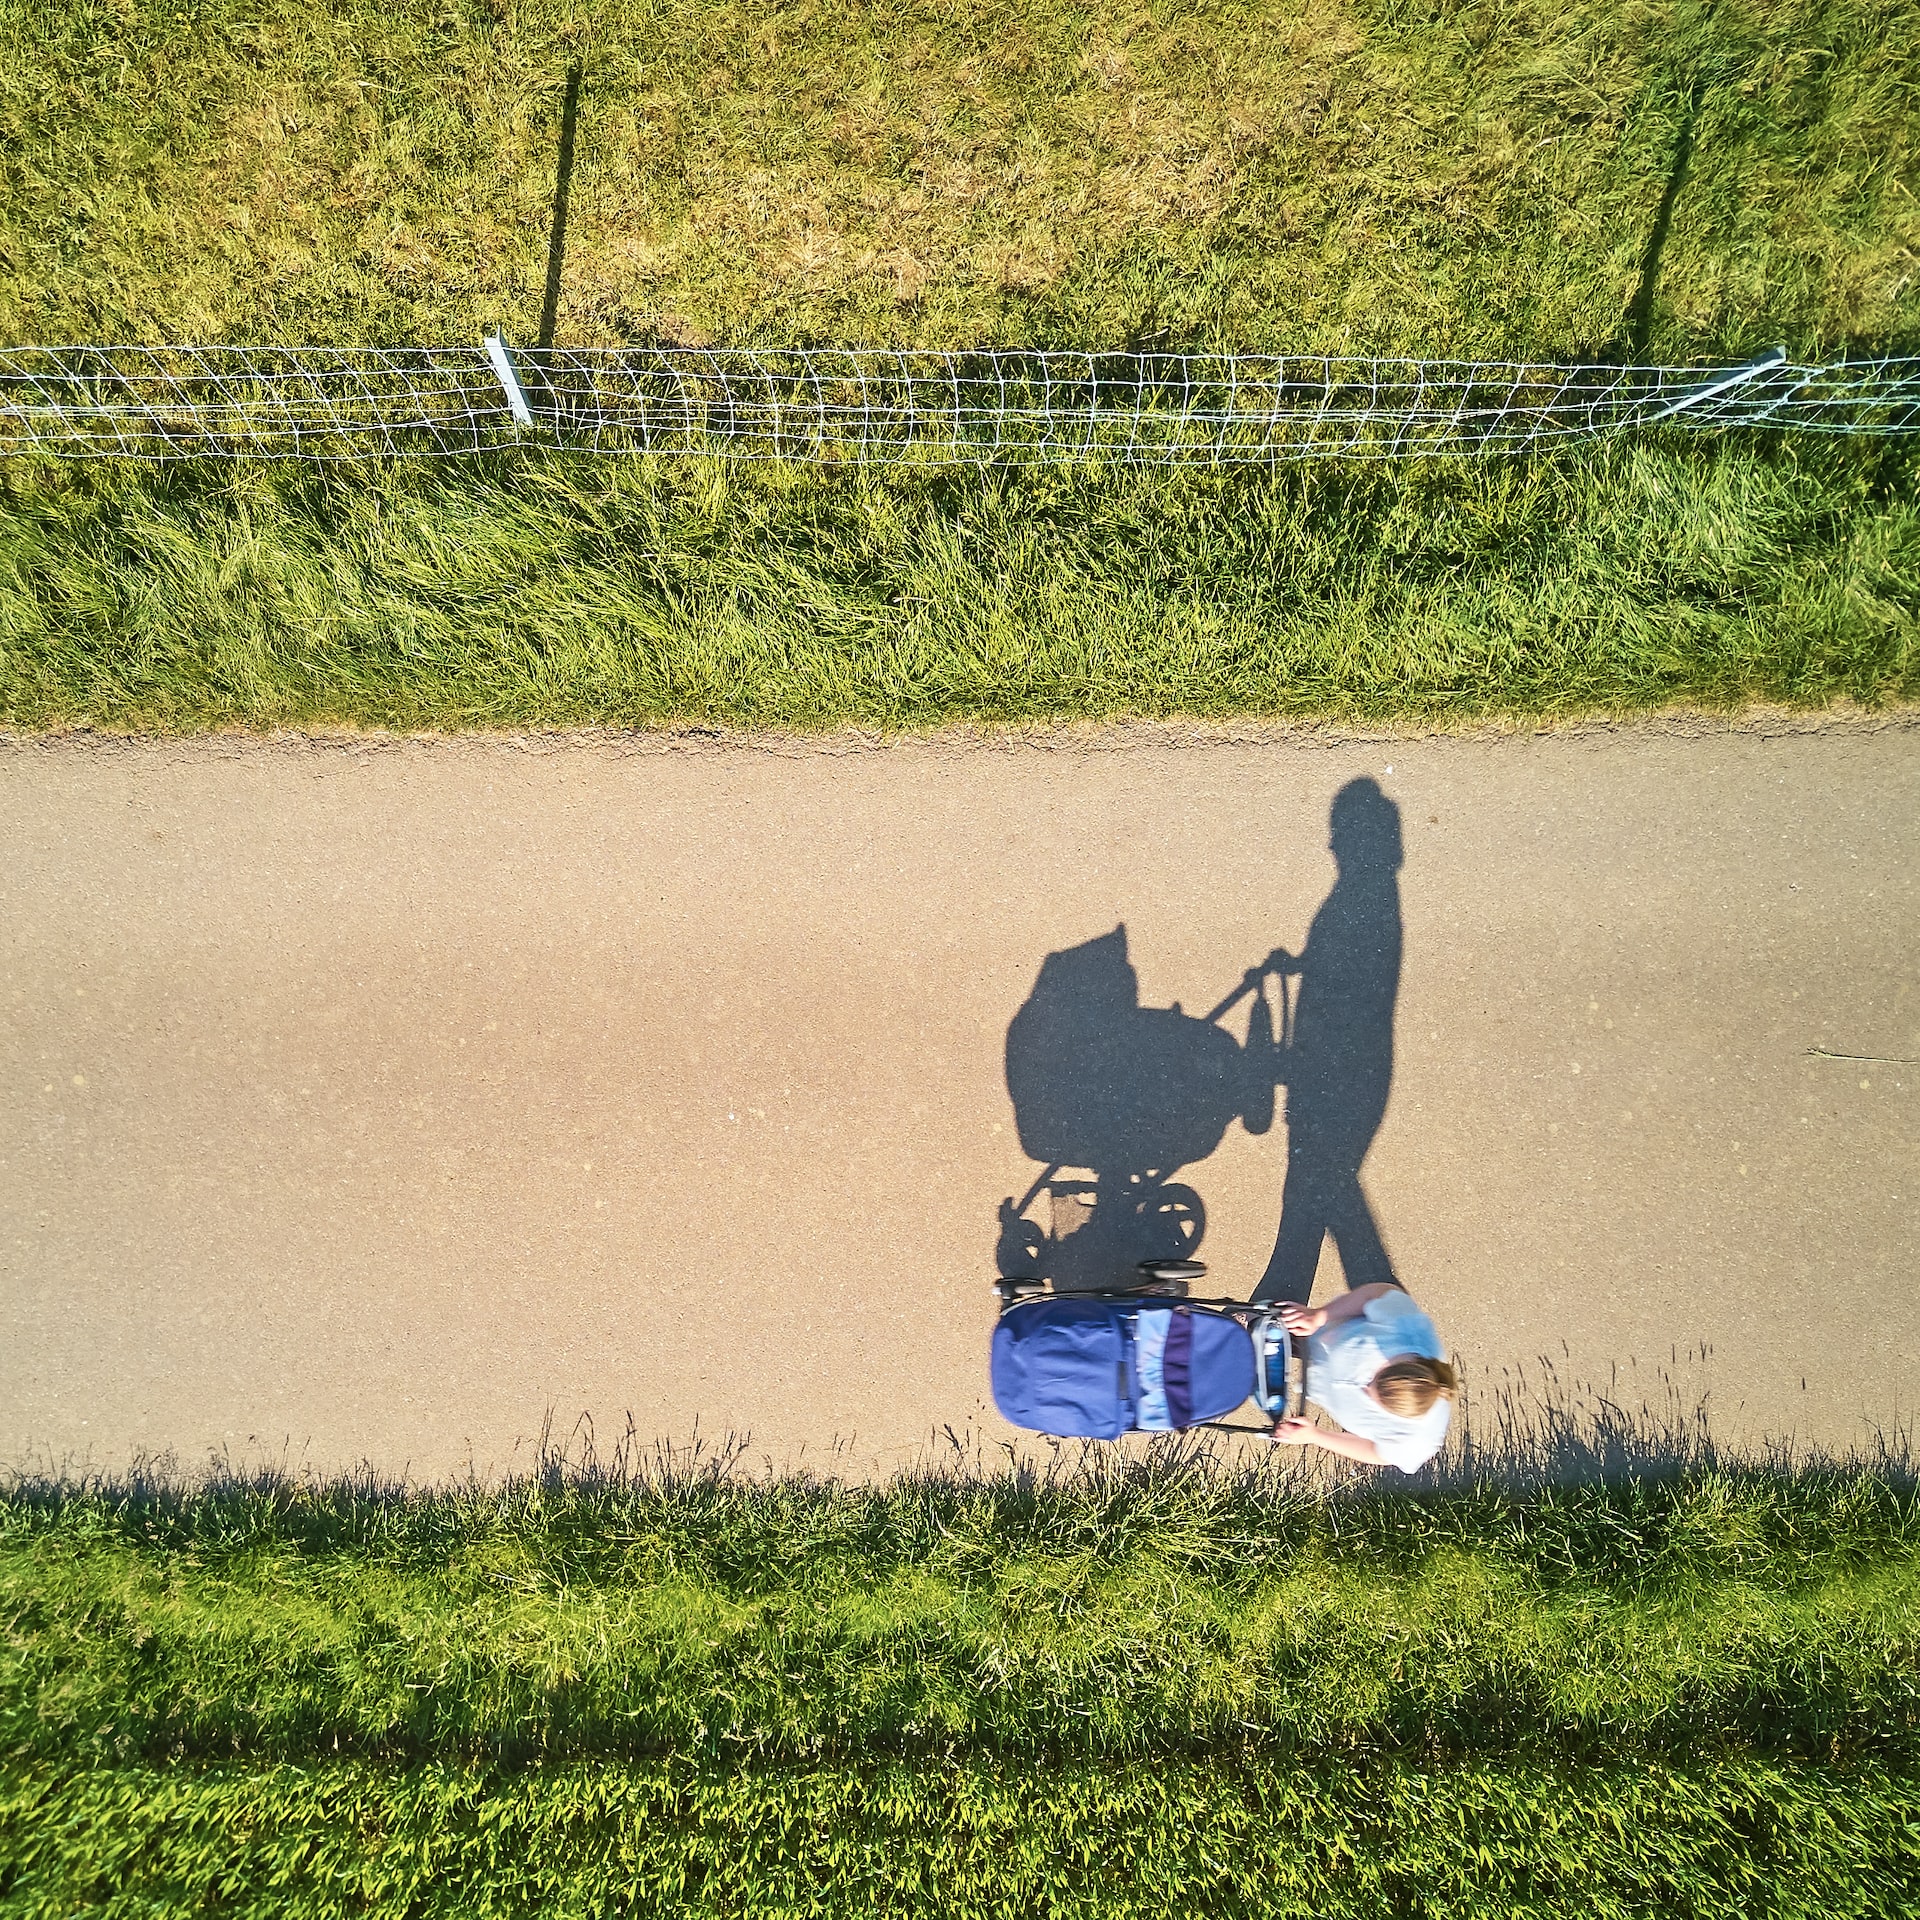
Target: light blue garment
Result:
[1342, 1359]
[1150, 1360]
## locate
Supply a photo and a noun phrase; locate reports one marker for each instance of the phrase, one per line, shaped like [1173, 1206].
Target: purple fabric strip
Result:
[1178, 1369]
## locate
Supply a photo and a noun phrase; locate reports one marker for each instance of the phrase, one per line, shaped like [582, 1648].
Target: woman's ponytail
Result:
[1409, 1386]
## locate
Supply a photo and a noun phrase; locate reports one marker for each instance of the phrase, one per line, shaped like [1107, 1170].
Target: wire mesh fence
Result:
[315, 403]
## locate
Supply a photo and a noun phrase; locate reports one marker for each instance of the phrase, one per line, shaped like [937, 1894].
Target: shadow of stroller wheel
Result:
[1173, 1221]
[1022, 1245]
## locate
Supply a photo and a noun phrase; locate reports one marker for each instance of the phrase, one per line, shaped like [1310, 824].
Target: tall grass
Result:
[1445, 177]
[1121, 1615]
[1125, 1688]
[566, 591]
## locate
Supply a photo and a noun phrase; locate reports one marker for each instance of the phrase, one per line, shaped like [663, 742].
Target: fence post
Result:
[1695, 396]
[496, 345]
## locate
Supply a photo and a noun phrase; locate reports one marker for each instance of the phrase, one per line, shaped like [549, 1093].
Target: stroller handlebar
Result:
[1279, 962]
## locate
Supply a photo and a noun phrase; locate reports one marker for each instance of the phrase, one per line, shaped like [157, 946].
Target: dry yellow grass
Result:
[1298, 173]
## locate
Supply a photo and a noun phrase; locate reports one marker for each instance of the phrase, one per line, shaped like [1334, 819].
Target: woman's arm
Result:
[1350, 1446]
[1354, 1301]
[1304, 1319]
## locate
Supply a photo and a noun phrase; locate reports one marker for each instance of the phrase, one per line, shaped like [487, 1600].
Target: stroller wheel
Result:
[1174, 1269]
[1018, 1286]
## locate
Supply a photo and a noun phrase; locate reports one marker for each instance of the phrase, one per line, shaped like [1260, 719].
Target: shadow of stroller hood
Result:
[1099, 1081]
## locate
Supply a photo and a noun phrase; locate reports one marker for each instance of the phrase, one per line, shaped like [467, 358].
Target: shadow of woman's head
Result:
[1365, 831]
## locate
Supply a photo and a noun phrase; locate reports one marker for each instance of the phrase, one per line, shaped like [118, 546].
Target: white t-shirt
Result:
[1341, 1359]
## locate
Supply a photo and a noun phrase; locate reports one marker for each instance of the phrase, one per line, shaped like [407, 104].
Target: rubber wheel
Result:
[1174, 1269]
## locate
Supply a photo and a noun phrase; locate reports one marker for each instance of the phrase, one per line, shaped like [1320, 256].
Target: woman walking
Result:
[1375, 1363]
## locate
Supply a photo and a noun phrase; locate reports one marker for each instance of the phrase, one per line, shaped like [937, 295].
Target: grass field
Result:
[1133, 1687]
[1440, 179]
[1436, 178]
[569, 592]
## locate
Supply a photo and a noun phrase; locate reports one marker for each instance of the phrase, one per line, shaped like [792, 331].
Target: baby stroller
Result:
[1144, 1360]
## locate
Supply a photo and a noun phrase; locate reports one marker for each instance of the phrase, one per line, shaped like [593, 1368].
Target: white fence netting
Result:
[160, 403]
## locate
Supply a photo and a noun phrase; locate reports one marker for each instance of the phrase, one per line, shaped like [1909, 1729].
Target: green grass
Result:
[1128, 1687]
[1430, 178]
[1435, 179]
[570, 591]
[1477, 1842]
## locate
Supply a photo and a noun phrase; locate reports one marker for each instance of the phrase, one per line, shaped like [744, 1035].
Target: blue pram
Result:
[1097, 1365]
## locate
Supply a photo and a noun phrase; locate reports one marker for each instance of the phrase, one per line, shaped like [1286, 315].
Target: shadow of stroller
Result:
[1128, 1094]
[1339, 1068]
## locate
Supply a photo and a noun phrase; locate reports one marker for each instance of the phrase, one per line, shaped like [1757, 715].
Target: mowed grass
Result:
[1126, 1687]
[1433, 180]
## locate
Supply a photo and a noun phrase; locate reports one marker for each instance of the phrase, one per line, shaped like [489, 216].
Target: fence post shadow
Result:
[1638, 325]
[562, 187]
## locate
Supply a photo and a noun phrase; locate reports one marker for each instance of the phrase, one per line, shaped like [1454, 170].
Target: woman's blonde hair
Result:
[1410, 1385]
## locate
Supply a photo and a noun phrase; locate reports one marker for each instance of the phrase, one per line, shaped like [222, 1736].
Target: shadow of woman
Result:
[1339, 1069]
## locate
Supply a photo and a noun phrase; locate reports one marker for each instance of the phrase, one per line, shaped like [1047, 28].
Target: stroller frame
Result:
[1164, 1289]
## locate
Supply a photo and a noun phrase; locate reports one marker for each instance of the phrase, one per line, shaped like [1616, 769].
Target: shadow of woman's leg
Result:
[1323, 1196]
[1356, 1234]
[1303, 1227]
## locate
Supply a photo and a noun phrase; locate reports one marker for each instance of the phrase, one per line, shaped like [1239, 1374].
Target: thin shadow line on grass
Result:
[562, 188]
[1639, 315]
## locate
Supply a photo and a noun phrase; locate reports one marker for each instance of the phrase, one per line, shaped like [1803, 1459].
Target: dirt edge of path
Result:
[1085, 736]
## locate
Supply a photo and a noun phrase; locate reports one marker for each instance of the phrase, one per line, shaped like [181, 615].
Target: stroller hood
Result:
[1060, 1367]
[1068, 1367]
[1207, 1367]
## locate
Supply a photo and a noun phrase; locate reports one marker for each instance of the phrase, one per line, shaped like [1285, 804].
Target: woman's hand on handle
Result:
[1297, 1317]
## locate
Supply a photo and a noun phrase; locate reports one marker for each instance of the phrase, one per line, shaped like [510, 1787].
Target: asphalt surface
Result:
[389, 1103]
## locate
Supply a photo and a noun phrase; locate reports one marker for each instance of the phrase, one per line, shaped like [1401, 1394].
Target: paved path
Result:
[378, 1102]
